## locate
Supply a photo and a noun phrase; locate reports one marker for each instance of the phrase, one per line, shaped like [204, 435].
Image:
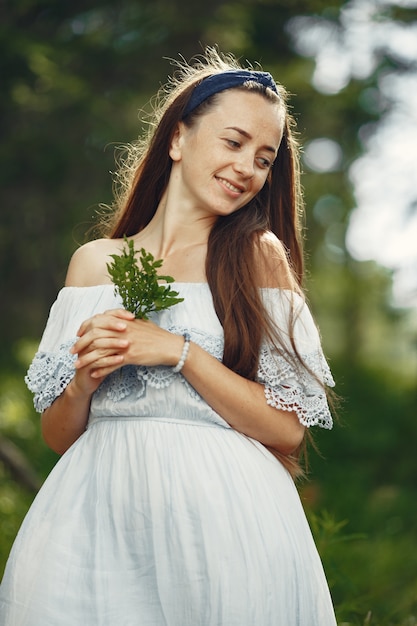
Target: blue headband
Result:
[225, 80]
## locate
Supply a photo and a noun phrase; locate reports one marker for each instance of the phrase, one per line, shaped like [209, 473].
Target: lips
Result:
[230, 185]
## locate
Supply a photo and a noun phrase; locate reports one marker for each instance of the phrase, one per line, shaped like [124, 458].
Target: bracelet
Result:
[178, 367]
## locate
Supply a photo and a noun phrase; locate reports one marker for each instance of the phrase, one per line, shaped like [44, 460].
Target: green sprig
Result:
[138, 286]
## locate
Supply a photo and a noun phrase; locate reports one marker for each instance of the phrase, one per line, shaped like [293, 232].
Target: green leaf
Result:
[138, 285]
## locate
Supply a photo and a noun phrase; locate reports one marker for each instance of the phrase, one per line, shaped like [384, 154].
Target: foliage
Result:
[362, 499]
[139, 289]
[362, 571]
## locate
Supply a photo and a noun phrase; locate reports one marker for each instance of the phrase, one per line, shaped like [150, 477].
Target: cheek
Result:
[260, 181]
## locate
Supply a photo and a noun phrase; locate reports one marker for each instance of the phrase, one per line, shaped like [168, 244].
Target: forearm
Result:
[241, 402]
[66, 419]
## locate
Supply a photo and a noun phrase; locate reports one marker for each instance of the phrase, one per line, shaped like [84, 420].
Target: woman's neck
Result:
[174, 229]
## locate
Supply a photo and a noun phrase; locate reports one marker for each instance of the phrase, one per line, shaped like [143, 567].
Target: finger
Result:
[106, 368]
[121, 313]
[114, 319]
[98, 359]
[96, 325]
[89, 343]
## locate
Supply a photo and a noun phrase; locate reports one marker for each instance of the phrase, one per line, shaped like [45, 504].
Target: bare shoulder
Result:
[88, 265]
[272, 263]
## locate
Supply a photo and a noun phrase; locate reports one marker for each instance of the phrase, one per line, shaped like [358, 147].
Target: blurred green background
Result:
[74, 76]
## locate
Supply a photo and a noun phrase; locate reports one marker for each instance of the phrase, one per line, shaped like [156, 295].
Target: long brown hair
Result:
[231, 265]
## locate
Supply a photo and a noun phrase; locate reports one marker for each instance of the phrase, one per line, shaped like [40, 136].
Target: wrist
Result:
[75, 393]
[184, 354]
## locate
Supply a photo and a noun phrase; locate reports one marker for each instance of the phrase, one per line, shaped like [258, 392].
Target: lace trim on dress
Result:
[49, 374]
[288, 385]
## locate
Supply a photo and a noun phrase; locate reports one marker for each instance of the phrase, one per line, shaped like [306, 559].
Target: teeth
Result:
[229, 185]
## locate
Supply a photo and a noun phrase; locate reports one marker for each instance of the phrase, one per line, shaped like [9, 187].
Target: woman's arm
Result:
[66, 419]
[242, 402]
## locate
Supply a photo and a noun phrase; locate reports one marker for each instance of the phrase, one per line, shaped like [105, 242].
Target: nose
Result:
[244, 164]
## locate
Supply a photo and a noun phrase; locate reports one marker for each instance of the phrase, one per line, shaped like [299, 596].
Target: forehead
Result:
[250, 111]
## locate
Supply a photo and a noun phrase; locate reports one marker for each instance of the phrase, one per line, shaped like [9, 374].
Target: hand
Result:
[115, 338]
[100, 340]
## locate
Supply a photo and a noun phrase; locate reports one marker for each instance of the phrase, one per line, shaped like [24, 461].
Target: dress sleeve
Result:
[52, 367]
[289, 384]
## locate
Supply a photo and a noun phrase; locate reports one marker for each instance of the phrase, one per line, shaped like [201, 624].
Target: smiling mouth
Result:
[230, 186]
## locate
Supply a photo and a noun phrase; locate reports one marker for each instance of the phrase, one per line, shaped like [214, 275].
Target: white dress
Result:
[161, 514]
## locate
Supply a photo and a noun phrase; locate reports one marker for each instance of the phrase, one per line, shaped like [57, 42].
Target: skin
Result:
[218, 166]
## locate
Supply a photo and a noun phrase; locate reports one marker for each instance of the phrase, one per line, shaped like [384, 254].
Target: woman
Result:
[173, 503]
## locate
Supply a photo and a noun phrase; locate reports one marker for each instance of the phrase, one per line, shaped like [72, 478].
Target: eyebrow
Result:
[244, 133]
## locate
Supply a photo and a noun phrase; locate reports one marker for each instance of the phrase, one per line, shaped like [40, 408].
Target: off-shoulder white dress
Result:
[161, 514]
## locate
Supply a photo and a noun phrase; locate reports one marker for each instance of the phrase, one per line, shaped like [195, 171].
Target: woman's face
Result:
[223, 160]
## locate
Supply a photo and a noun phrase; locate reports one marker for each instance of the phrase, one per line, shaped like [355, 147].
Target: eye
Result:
[265, 163]
[232, 143]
